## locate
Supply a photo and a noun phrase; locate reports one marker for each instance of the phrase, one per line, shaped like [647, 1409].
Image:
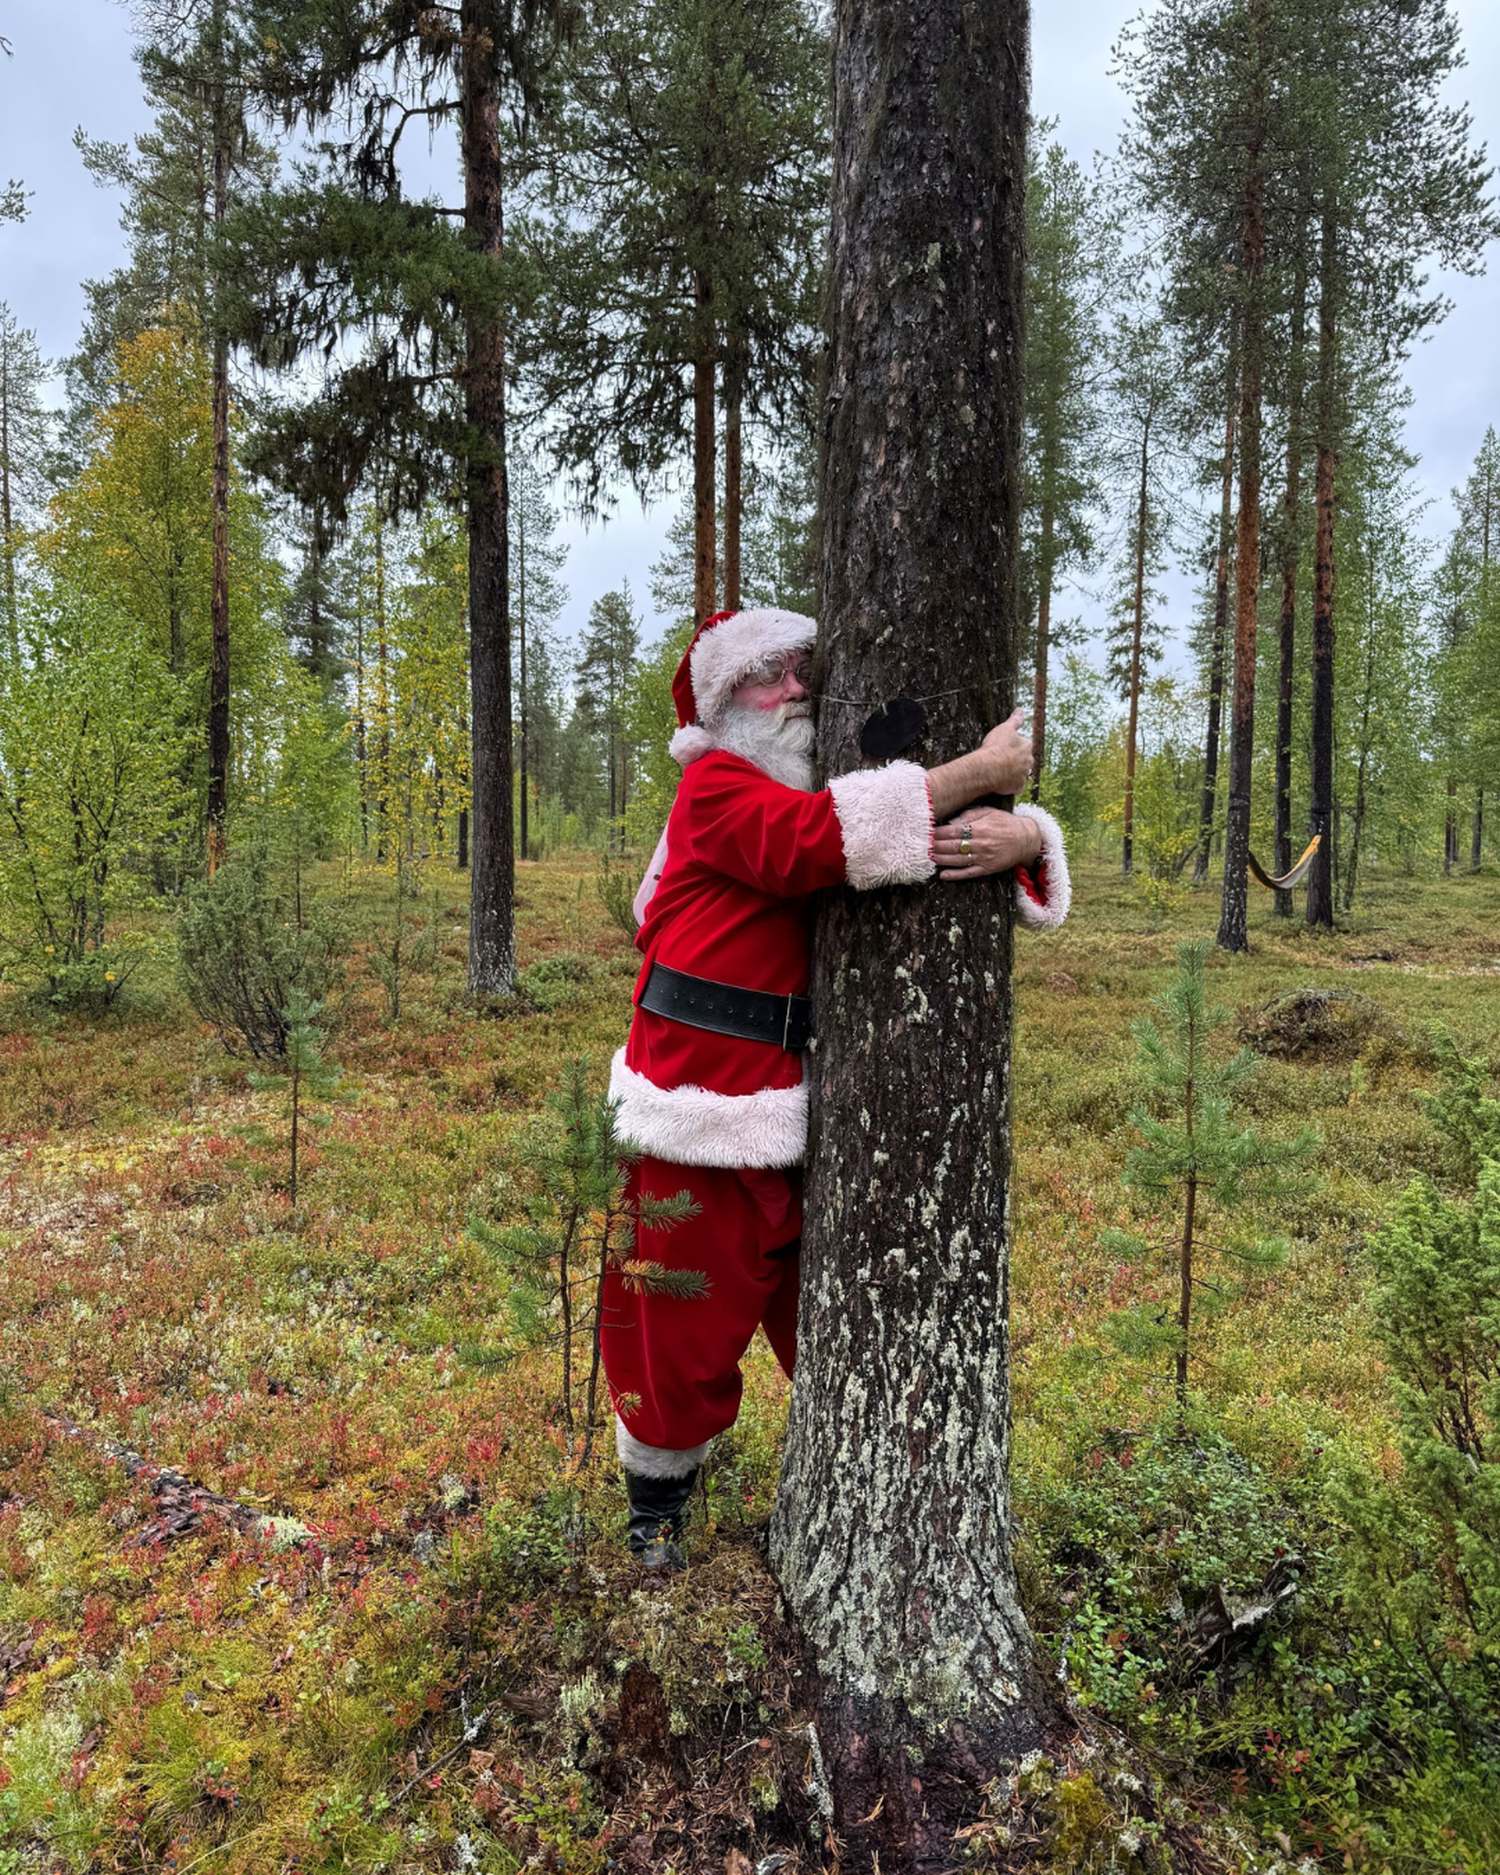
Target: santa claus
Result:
[711, 1083]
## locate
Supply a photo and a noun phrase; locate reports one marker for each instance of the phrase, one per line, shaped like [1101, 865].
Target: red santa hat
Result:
[726, 647]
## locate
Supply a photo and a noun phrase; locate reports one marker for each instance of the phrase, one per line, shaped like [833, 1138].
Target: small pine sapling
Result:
[305, 1074]
[1192, 1152]
[574, 1227]
[404, 949]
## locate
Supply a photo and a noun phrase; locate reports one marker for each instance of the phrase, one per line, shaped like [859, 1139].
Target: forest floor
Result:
[401, 1637]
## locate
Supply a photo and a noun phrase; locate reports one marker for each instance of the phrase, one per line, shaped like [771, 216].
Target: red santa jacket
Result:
[734, 902]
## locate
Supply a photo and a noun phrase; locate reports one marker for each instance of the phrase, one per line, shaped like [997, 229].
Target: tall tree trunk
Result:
[1043, 649]
[218, 682]
[1137, 626]
[383, 841]
[1232, 934]
[1450, 827]
[1320, 878]
[492, 936]
[1217, 659]
[704, 548]
[525, 688]
[1476, 847]
[361, 731]
[891, 1531]
[734, 386]
[1357, 835]
[1291, 511]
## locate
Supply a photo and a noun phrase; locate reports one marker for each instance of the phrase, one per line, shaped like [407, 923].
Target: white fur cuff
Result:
[885, 815]
[655, 1461]
[1051, 876]
[695, 1126]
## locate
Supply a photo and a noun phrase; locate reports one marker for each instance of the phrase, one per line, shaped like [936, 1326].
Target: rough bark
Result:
[734, 380]
[704, 475]
[492, 941]
[218, 679]
[1232, 934]
[1291, 513]
[1137, 625]
[891, 1535]
[1217, 660]
[1320, 817]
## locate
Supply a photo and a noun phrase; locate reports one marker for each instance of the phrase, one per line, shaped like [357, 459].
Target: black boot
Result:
[658, 1516]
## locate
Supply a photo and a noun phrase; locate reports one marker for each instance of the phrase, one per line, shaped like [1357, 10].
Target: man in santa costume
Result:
[711, 1084]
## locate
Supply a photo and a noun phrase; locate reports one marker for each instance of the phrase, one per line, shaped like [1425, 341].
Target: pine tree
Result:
[1070, 270]
[572, 1227]
[306, 1075]
[896, 1465]
[537, 596]
[605, 658]
[428, 301]
[1143, 420]
[1193, 1153]
[691, 189]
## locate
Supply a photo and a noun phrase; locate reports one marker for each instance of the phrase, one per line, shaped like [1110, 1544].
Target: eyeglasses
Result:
[772, 670]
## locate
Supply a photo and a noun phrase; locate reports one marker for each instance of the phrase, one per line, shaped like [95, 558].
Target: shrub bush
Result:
[244, 948]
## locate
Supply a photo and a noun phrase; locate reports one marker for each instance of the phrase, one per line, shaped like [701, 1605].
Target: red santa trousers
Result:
[673, 1363]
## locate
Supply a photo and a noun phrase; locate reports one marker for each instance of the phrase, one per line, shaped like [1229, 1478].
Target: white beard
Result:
[780, 741]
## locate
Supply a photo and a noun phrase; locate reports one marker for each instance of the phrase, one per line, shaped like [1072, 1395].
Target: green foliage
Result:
[571, 1225]
[1429, 1547]
[90, 756]
[1192, 1152]
[247, 947]
[304, 1072]
[617, 887]
[1149, 1538]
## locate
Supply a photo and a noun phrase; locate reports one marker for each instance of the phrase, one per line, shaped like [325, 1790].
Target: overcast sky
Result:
[72, 65]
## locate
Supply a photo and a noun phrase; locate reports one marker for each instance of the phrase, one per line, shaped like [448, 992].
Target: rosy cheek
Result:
[758, 696]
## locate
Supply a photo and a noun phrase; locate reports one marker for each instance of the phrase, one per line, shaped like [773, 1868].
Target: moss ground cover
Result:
[433, 1653]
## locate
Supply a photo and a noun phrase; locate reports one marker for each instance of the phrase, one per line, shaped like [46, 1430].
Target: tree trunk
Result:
[1360, 797]
[1043, 651]
[1217, 659]
[492, 938]
[218, 682]
[1232, 934]
[1476, 847]
[1142, 518]
[704, 478]
[1291, 510]
[891, 1534]
[382, 695]
[1450, 827]
[361, 731]
[734, 384]
[1320, 878]
[525, 689]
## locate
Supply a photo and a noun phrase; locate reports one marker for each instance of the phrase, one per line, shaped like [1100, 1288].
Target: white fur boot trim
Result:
[655, 1461]
[1055, 880]
[885, 815]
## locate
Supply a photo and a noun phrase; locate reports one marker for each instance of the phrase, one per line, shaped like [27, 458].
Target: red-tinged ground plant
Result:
[556, 1230]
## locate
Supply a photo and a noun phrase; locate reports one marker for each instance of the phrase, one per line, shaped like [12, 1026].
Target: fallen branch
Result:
[182, 1505]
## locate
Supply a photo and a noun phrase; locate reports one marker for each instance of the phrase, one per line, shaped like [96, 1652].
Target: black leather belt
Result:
[754, 1015]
